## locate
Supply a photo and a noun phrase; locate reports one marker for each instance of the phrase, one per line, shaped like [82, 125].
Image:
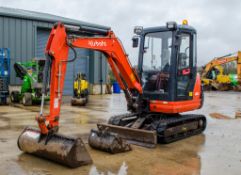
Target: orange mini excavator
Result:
[164, 84]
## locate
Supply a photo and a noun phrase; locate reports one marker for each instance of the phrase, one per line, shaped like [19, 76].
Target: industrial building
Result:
[25, 33]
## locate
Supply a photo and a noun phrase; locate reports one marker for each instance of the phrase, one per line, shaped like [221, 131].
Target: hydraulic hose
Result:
[47, 66]
[46, 73]
[75, 53]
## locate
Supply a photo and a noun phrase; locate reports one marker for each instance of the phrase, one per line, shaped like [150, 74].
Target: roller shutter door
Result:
[80, 64]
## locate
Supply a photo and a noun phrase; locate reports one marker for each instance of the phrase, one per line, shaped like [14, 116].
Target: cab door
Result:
[186, 71]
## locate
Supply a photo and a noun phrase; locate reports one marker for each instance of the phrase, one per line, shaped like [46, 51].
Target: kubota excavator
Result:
[165, 84]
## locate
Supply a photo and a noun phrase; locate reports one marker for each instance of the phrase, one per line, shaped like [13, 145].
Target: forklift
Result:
[31, 74]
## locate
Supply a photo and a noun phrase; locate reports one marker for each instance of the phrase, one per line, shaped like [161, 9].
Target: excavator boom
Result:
[57, 55]
[43, 140]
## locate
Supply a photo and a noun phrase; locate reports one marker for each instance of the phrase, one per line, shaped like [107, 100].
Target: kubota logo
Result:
[97, 43]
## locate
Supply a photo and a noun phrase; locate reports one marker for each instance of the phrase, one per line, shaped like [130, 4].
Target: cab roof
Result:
[164, 28]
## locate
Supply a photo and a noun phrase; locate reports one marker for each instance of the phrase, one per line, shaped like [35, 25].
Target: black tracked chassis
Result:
[169, 128]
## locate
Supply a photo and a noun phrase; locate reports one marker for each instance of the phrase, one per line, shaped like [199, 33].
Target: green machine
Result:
[31, 74]
[233, 79]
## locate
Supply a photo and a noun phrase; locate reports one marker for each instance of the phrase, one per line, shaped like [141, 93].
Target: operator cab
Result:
[167, 61]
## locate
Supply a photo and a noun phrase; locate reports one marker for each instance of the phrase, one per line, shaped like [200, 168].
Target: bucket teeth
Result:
[108, 142]
[61, 149]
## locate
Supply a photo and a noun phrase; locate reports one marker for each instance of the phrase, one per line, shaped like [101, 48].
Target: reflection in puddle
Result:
[122, 171]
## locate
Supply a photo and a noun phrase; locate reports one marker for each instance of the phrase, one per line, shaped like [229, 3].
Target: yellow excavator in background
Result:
[213, 76]
[80, 90]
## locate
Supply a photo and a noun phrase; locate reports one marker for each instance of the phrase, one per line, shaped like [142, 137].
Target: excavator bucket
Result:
[78, 101]
[68, 151]
[139, 137]
[108, 142]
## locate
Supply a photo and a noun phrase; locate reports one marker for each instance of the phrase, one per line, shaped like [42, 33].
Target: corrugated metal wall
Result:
[97, 63]
[42, 38]
[81, 64]
[20, 35]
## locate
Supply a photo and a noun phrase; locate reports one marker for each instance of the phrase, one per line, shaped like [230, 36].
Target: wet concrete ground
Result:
[216, 151]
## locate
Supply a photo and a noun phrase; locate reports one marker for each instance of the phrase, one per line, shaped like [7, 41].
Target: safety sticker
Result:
[56, 103]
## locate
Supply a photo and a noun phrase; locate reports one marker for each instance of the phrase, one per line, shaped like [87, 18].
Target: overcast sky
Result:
[218, 22]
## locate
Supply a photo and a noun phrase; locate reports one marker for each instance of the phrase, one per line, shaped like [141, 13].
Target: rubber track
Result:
[167, 122]
[175, 121]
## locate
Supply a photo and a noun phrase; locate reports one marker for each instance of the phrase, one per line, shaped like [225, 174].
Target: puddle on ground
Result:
[217, 151]
[4, 122]
[122, 171]
[86, 119]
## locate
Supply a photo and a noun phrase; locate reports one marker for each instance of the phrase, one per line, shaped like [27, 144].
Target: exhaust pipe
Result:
[67, 151]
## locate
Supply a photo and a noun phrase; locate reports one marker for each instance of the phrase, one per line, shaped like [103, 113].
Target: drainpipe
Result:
[101, 75]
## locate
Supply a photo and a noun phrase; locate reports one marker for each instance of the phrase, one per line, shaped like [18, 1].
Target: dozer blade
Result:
[139, 137]
[61, 149]
[108, 142]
